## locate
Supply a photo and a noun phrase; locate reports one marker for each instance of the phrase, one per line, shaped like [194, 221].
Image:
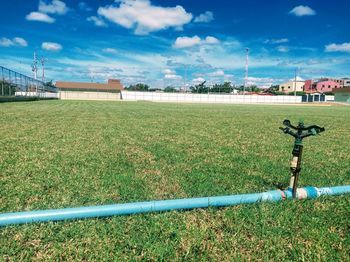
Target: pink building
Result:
[326, 86]
[308, 86]
[322, 85]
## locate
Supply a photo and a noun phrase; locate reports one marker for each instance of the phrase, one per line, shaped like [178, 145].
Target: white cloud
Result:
[205, 17]
[98, 21]
[109, 50]
[185, 41]
[55, 7]
[210, 40]
[283, 49]
[145, 17]
[41, 17]
[217, 73]
[198, 80]
[174, 77]
[84, 7]
[298, 78]
[302, 10]
[276, 41]
[17, 41]
[227, 55]
[344, 47]
[5, 42]
[50, 46]
[20, 41]
[263, 82]
[169, 72]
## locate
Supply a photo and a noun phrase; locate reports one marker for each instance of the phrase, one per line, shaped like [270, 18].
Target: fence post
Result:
[3, 80]
[21, 83]
[9, 89]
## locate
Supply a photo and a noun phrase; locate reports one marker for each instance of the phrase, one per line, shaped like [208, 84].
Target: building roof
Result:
[111, 85]
[326, 81]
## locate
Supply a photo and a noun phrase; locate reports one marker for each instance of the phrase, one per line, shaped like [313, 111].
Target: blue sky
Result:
[177, 42]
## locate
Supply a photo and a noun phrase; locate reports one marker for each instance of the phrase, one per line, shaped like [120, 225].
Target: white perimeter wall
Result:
[205, 98]
[72, 95]
[329, 98]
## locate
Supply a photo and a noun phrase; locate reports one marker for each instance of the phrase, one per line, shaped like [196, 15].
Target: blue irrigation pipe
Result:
[164, 205]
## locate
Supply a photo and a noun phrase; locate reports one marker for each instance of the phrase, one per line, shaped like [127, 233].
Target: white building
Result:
[346, 82]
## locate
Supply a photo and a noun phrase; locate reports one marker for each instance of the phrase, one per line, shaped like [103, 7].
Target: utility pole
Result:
[295, 82]
[35, 71]
[34, 66]
[43, 60]
[246, 70]
[185, 78]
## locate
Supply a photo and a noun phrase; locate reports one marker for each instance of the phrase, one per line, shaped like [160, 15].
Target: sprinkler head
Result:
[286, 122]
[301, 131]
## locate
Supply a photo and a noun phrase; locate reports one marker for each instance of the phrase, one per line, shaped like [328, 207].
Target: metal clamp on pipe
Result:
[299, 134]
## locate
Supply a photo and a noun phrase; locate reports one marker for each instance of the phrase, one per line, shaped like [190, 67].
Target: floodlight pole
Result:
[35, 70]
[35, 67]
[185, 78]
[295, 82]
[43, 60]
[246, 70]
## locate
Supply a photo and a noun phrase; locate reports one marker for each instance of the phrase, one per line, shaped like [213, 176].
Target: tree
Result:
[298, 93]
[49, 84]
[254, 88]
[170, 89]
[138, 87]
[251, 88]
[200, 88]
[222, 88]
[154, 89]
[274, 88]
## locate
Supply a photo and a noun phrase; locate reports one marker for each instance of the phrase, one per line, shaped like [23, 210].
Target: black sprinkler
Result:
[300, 132]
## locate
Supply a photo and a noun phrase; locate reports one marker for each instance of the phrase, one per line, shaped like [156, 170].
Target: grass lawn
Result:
[57, 154]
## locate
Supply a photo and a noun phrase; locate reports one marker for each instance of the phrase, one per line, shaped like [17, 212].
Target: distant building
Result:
[112, 86]
[292, 86]
[322, 85]
[340, 82]
[326, 86]
[342, 94]
[309, 86]
[346, 82]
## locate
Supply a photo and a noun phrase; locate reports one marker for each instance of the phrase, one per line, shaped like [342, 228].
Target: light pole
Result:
[295, 82]
[246, 70]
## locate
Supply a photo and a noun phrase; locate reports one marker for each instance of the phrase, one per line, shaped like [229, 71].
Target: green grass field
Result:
[57, 154]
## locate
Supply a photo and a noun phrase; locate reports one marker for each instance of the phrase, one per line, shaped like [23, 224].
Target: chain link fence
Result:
[12, 82]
